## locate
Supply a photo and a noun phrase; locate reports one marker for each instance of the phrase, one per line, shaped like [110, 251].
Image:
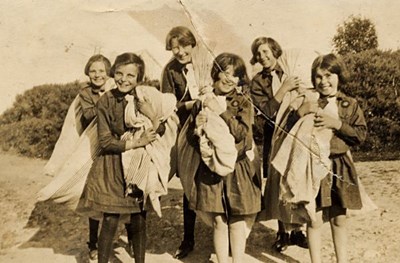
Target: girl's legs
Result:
[314, 238]
[221, 237]
[239, 230]
[107, 233]
[339, 236]
[138, 233]
[93, 233]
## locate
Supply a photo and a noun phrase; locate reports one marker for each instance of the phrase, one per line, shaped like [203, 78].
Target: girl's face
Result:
[182, 53]
[227, 81]
[326, 82]
[97, 74]
[265, 56]
[125, 77]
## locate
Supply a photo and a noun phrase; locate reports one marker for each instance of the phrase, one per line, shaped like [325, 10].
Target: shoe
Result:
[282, 242]
[93, 254]
[299, 239]
[184, 249]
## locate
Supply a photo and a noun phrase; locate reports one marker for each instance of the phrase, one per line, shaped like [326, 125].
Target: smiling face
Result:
[265, 56]
[227, 81]
[326, 82]
[182, 53]
[126, 76]
[98, 74]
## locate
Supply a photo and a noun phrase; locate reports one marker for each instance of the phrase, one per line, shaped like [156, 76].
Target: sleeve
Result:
[239, 125]
[89, 110]
[168, 86]
[354, 129]
[167, 83]
[108, 143]
[263, 99]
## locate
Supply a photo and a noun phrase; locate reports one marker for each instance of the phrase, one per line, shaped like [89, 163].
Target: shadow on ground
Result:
[66, 233]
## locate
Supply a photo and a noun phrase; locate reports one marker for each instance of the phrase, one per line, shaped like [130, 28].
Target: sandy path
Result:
[47, 232]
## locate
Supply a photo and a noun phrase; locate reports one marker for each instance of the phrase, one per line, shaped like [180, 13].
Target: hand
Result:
[147, 137]
[145, 107]
[324, 120]
[307, 107]
[201, 118]
[290, 83]
[213, 105]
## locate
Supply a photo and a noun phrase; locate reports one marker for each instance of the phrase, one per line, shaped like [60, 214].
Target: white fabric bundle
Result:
[217, 145]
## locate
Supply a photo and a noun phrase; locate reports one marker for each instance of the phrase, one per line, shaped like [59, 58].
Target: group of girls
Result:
[216, 156]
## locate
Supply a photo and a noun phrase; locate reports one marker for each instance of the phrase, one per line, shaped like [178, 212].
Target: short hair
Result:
[129, 58]
[184, 36]
[221, 63]
[333, 64]
[272, 44]
[96, 58]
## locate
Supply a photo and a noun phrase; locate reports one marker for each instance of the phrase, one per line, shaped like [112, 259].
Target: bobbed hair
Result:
[184, 36]
[272, 44]
[96, 58]
[333, 64]
[221, 63]
[129, 58]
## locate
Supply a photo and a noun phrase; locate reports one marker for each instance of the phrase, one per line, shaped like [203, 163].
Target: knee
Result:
[338, 221]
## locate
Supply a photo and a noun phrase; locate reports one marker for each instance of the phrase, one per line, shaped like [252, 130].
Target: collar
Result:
[229, 96]
[120, 96]
[265, 72]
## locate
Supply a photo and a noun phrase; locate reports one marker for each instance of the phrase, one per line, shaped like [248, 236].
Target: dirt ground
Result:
[48, 232]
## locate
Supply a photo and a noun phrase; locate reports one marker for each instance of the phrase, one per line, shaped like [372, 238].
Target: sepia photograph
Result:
[199, 131]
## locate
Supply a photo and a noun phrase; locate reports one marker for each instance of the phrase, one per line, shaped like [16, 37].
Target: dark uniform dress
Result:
[340, 191]
[263, 98]
[174, 81]
[105, 187]
[238, 193]
[88, 98]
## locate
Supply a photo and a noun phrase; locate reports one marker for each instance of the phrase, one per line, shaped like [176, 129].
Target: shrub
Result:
[374, 81]
[33, 124]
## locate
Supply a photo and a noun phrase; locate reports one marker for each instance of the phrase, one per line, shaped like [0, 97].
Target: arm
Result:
[239, 125]
[89, 110]
[263, 98]
[354, 129]
[107, 141]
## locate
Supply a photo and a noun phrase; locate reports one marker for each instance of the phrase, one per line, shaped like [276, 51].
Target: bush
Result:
[374, 81]
[33, 124]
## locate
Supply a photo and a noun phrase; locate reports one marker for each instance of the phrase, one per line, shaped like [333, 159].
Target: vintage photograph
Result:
[199, 131]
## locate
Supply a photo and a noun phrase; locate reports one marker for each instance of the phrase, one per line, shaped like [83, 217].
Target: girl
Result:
[339, 190]
[268, 88]
[178, 79]
[105, 188]
[231, 202]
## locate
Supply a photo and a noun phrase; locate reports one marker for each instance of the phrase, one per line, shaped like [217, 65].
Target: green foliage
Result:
[374, 81]
[33, 124]
[355, 35]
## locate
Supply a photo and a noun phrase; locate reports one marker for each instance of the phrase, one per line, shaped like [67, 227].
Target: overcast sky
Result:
[50, 41]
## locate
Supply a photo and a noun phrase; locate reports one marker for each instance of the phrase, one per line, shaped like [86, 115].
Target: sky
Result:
[47, 41]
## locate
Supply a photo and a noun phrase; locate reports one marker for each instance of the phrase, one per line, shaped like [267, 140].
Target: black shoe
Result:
[299, 239]
[282, 242]
[184, 249]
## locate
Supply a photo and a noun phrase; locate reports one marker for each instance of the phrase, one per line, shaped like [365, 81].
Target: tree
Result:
[356, 34]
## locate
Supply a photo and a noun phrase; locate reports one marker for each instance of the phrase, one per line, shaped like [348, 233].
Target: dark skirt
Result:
[105, 189]
[238, 193]
[340, 188]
